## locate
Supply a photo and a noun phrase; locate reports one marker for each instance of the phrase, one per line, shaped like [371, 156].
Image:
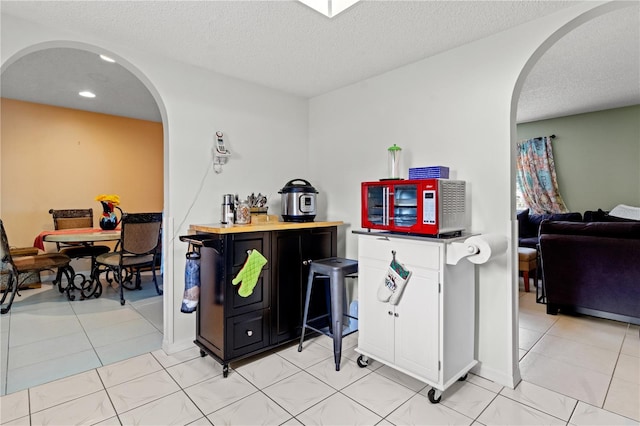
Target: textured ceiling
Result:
[290, 47]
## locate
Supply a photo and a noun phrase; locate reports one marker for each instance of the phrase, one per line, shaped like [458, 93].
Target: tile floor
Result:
[46, 337]
[577, 371]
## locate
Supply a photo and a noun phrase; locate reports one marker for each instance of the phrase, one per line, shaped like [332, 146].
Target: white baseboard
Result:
[497, 376]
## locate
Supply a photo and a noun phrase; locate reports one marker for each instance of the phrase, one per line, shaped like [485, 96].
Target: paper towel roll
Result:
[488, 245]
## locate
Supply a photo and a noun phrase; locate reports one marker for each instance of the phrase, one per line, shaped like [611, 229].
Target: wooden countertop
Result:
[259, 224]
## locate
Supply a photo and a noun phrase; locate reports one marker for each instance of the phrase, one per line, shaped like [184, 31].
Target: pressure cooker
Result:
[298, 201]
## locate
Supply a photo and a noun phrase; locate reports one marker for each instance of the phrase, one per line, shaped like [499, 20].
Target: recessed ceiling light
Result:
[329, 8]
[87, 94]
[106, 58]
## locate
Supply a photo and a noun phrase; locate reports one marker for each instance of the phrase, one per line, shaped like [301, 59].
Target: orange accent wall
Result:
[60, 158]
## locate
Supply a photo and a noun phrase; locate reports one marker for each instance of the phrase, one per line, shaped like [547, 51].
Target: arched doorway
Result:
[76, 154]
[547, 46]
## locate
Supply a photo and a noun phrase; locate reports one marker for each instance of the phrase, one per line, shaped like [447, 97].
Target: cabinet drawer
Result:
[408, 252]
[244, 243]
[247, 333]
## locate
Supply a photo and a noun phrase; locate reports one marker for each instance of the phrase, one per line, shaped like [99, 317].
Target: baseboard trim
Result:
[497, 376]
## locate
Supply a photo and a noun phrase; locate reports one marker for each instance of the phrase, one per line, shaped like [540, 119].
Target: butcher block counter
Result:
[259, 224]
[230, 327]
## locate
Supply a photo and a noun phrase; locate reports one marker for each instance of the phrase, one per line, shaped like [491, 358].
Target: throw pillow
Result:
[523, 222]
[625, 212]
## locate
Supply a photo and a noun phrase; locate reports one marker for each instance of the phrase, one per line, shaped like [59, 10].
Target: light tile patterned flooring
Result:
[46, 337]
[577, 371]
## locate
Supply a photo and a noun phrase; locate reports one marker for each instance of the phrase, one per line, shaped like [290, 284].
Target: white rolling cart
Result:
[429, 333]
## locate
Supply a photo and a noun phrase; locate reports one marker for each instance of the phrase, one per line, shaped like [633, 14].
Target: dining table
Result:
[88, 286]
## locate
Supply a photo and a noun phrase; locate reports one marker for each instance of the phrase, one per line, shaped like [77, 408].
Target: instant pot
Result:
[298, 201]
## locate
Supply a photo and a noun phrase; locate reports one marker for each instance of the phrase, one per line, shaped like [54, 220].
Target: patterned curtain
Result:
[536, 176]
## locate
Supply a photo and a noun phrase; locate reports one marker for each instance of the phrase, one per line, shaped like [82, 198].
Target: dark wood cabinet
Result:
[294, 250]
[230, 327]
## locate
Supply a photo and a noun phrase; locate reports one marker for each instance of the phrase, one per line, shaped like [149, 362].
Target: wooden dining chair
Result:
[139, 243]
[77, 218]
[22, 265]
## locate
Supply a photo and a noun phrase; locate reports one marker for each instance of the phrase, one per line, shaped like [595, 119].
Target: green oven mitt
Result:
[249, 273]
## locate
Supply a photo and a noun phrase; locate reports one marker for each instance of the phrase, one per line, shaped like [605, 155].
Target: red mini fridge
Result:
[422, 206]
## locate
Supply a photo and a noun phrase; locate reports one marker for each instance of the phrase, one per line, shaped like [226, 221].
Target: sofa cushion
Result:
[620, 230]
[530, 242]
[536, 219]
[603, 216]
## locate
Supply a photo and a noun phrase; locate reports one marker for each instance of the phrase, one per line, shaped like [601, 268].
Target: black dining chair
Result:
[22, 265]
[139, 243]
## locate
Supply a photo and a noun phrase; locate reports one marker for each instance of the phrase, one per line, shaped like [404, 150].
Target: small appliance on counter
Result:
[228, 209]
[298, 201]
[434, 207]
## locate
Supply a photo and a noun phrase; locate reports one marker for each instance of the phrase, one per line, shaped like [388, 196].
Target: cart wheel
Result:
[225, 370]
[432, 396]
[463, 378]
[362, 361]
[202, 353]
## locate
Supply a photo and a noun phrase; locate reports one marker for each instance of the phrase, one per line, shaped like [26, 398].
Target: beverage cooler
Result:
[422, 206]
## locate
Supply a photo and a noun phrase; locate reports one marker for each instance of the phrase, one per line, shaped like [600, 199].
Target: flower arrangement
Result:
[109, 198]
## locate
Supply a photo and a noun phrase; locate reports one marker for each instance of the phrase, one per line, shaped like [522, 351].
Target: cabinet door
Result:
[317, 244]
[291, 248]
[417, 327]
[375, 318]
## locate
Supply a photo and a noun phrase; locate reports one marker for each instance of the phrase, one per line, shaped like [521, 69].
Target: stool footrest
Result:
[346, 330]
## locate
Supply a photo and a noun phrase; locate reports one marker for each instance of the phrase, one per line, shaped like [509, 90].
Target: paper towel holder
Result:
[459, 250]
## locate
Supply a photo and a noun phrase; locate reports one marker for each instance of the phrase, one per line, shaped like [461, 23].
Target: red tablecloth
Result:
[39, 241]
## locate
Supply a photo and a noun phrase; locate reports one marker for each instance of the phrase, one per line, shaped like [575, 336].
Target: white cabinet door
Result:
[375, 318]
[417, 327]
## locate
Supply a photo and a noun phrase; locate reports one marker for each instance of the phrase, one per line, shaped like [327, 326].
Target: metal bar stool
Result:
[336, 269]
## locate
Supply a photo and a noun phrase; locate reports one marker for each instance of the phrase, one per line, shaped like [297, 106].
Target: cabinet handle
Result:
[390, 313]
[396, 315]
[249, 333]
[307, 262]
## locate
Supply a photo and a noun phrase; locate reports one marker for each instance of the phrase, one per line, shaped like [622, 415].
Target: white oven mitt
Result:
[394, 282]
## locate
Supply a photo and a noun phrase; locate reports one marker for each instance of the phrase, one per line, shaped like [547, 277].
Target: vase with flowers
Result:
[109, 202]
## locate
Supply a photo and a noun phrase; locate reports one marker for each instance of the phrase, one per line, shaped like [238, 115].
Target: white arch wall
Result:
[453, 109]
[265, 131]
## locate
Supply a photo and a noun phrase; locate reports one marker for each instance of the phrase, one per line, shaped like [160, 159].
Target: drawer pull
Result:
[249, 333]
[396, 315]
[390, 313]
[307, 262]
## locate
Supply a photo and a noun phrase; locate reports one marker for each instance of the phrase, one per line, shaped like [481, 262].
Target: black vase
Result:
[108, 223]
